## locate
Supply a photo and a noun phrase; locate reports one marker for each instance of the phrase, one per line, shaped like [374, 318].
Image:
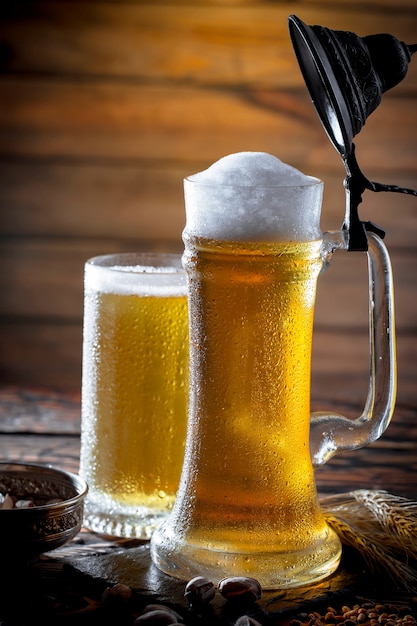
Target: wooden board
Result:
[105, 108]
[230, 43]
[86, 120]
[139, 201]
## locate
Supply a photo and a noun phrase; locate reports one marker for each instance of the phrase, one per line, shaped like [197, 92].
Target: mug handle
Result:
[331, 433]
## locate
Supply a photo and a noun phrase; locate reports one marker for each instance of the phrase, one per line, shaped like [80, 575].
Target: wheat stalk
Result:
[381, 527]
[397, 515]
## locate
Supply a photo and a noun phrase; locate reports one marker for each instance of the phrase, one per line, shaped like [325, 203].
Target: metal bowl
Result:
[55, 518]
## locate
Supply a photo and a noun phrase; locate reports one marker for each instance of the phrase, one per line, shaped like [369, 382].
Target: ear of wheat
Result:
[382, 527]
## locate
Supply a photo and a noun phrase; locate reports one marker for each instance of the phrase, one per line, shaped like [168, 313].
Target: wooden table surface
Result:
[43, 426]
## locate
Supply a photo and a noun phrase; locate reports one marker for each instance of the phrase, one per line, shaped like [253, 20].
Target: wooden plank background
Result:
[106, 106]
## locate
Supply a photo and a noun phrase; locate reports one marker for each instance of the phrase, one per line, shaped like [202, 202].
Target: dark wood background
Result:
[106, 106]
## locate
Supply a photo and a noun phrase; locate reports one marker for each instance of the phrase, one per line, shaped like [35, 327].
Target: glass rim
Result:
[310, 181]
[136, 273]
[138, 262]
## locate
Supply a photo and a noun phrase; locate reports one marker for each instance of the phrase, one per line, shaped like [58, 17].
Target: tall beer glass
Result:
[134, 391]
[247, 503]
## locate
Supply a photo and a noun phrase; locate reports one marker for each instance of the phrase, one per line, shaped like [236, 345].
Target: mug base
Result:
[118, 521]
[274, 570]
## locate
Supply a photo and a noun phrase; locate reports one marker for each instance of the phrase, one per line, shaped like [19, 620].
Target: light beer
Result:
[247, 503]
[250, 492]
[250, 353]
[134, 399]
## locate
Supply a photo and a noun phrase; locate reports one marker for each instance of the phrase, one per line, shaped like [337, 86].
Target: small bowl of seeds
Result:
[41, 508]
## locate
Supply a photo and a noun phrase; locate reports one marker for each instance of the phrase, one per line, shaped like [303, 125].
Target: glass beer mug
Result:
[247, 504]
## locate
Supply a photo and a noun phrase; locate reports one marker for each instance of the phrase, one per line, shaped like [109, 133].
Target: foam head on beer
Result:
[253, 196]
[136, 280]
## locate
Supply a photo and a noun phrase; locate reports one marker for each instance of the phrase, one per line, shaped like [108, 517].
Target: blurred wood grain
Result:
[106, 106]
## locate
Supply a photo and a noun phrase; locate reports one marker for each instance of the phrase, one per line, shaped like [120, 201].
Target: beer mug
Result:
[134, 390]
[247, 504]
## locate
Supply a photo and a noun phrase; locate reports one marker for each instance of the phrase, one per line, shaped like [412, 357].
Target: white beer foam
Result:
[253, 196]
[135, 280]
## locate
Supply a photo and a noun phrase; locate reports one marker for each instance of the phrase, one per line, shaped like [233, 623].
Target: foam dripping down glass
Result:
[247, 504]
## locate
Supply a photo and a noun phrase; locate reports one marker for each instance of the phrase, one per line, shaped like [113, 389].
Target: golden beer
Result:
[135, 390]
[249, 503]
